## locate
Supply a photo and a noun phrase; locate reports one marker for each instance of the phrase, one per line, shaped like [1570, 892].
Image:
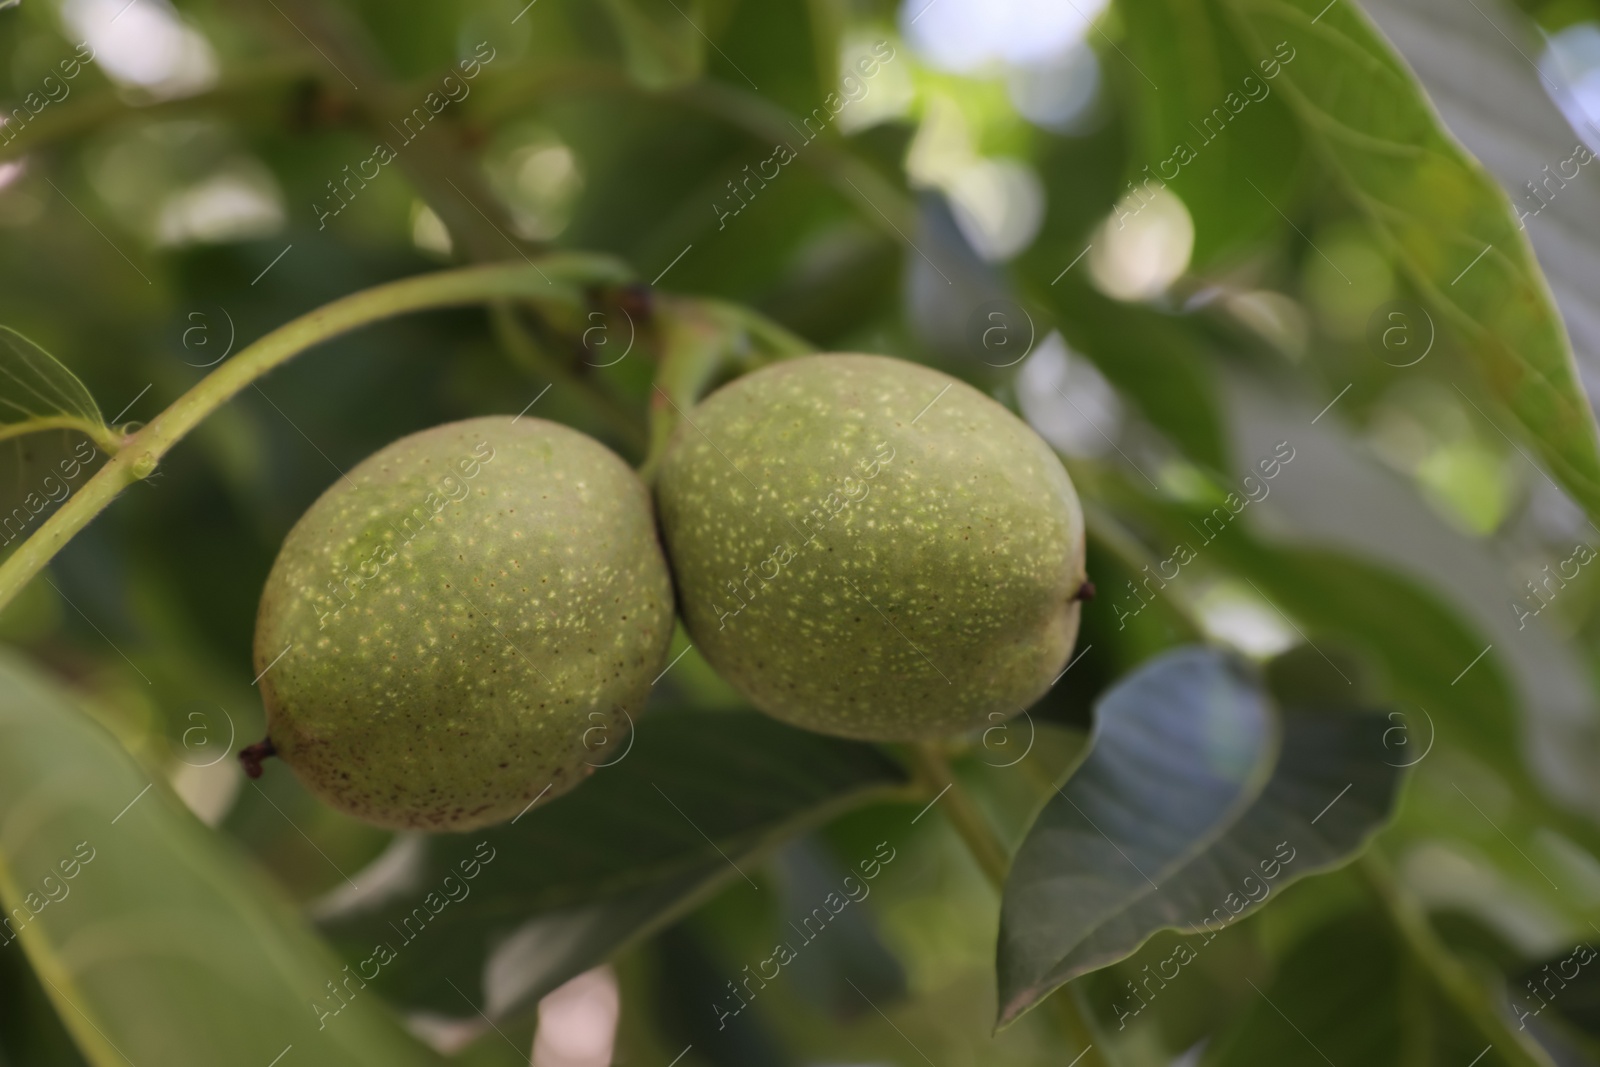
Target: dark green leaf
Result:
[689, 979]
[1419, 644]
[126, 906]
[838, 971]
[1332, 789]
[1180, 748]
[1348, 994]
[690, 807]
[1154, 360]
[30, 1030]
[1216, 109]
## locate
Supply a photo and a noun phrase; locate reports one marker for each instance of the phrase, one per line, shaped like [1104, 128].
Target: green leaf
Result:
[662, 45]
[1154, 360]
[129, 909]
[1448, 225]
[1417, 641]
[1179, 749]
[834, 972]
[30, 1030]
[692, 806]
[38, 392]
[1157, 361]
[1214, 101]
[1349, 994]
[1506, 121]
[1331, 791]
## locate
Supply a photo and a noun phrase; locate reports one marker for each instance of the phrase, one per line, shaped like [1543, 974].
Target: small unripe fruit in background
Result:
[471, 617]
[870, 548]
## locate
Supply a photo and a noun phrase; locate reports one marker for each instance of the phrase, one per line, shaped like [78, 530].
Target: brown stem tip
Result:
[1085, 591]
[252, 755]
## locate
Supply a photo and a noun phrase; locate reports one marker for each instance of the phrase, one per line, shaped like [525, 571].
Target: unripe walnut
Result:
[461, 624]
[870, 548]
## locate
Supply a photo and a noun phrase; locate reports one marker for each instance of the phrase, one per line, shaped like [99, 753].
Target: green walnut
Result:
[870, 548]
[463, 625]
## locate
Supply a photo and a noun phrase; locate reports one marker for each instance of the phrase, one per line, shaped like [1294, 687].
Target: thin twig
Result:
[938, 778]
[930, 764]
[142, 451]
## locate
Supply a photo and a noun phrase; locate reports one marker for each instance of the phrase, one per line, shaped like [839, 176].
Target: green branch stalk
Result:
[700, 341]
[940, 781]
[962, 811]
[553, 277]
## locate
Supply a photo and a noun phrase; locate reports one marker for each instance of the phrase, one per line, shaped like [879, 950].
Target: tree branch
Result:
[552, 277]
[940, 781]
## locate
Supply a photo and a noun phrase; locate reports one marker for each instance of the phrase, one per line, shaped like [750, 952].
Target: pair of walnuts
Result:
[861, 546]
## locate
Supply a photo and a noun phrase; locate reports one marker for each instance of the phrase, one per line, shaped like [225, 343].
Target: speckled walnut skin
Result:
[938, 589]
[505, 598]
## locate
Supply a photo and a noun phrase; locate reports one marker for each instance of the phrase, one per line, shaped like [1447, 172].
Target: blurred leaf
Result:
[1417, 641]
[134, 909]
[1185, 1012]
[30, 1030]
[1180, 747]
[38, 472]
[662, 45]
[1508, 121]
[838, 972]
[573, 881]
[1569, 983]
[784, 50]
[1215, 109]
[1157, 361]
[1348, 994]
[38, 392]
[842, 278]
[690, 982]
[1447, 223]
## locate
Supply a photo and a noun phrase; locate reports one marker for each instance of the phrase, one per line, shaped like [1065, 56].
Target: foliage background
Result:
[964, 212]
